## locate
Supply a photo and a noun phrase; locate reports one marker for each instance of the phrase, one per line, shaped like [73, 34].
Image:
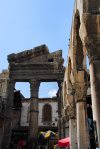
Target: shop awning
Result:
[64, 142]
[48, 134]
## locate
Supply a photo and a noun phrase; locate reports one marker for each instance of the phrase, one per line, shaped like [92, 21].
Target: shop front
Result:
[18, 139]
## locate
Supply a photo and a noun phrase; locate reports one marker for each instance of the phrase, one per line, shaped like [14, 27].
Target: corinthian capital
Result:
[34, 84]
[92, 44]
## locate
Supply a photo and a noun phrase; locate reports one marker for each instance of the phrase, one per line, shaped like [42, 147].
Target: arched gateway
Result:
[34, 66]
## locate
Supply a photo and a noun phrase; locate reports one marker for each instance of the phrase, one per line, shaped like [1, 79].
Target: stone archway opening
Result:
[79, 45]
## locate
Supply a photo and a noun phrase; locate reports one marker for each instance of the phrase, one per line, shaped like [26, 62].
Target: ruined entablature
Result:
[37, 62]
[28, 54]
[36, 55]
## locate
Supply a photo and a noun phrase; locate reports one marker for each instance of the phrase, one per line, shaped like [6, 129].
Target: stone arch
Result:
[78, 50]
[47, 105]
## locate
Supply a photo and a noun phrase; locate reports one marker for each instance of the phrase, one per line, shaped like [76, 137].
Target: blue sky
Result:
[26, 24]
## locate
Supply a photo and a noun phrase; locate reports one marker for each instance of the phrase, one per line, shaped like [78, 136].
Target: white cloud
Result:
[52, 93]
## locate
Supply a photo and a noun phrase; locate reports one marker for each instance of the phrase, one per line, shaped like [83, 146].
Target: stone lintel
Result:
[43, 66]
[43, 77]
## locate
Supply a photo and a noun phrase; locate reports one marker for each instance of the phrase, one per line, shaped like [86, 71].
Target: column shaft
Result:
[33, 123]
[59, 107]
[95, 92]
[82, 126]
[73, 133]
[8, 116]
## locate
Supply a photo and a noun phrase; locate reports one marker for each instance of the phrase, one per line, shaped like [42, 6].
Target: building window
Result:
[47, 113]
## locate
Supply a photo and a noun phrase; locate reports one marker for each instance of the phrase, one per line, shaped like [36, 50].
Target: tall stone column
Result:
[82, 125]
[92, 46]
[91, 41]
[95, 92]
[73, 132]
[79, 81]
[71, 111]
[33, 122]
[8, 115]
[59, 107]
[60, 98]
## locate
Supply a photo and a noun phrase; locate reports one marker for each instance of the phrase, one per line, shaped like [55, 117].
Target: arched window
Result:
[47, 113]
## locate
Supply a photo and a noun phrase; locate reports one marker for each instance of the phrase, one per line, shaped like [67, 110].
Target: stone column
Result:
[59, 107]
[8, 115]
[59, 128]
[79, 81]
[92, 46]
[91, 41]
[95, 92]
[60, 98]
[33, 122]
[71, 112]
[82, 125]
[73, 132]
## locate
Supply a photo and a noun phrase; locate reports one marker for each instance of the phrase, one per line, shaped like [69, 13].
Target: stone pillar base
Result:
[33, 143]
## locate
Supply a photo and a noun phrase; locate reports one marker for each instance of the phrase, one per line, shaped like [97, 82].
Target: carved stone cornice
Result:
[34, 84]
[28, 54]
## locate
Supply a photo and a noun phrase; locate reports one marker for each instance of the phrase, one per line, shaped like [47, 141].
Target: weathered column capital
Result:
[80, 91]
[92, 46]
[34, 84]
[59, 81]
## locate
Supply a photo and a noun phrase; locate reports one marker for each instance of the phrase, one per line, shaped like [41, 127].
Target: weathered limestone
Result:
[37, 63]
[72, 121]
[80, 87]
[73, 132]
[82, 126]
[84, 39]
[8, 115]
[33, 123]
